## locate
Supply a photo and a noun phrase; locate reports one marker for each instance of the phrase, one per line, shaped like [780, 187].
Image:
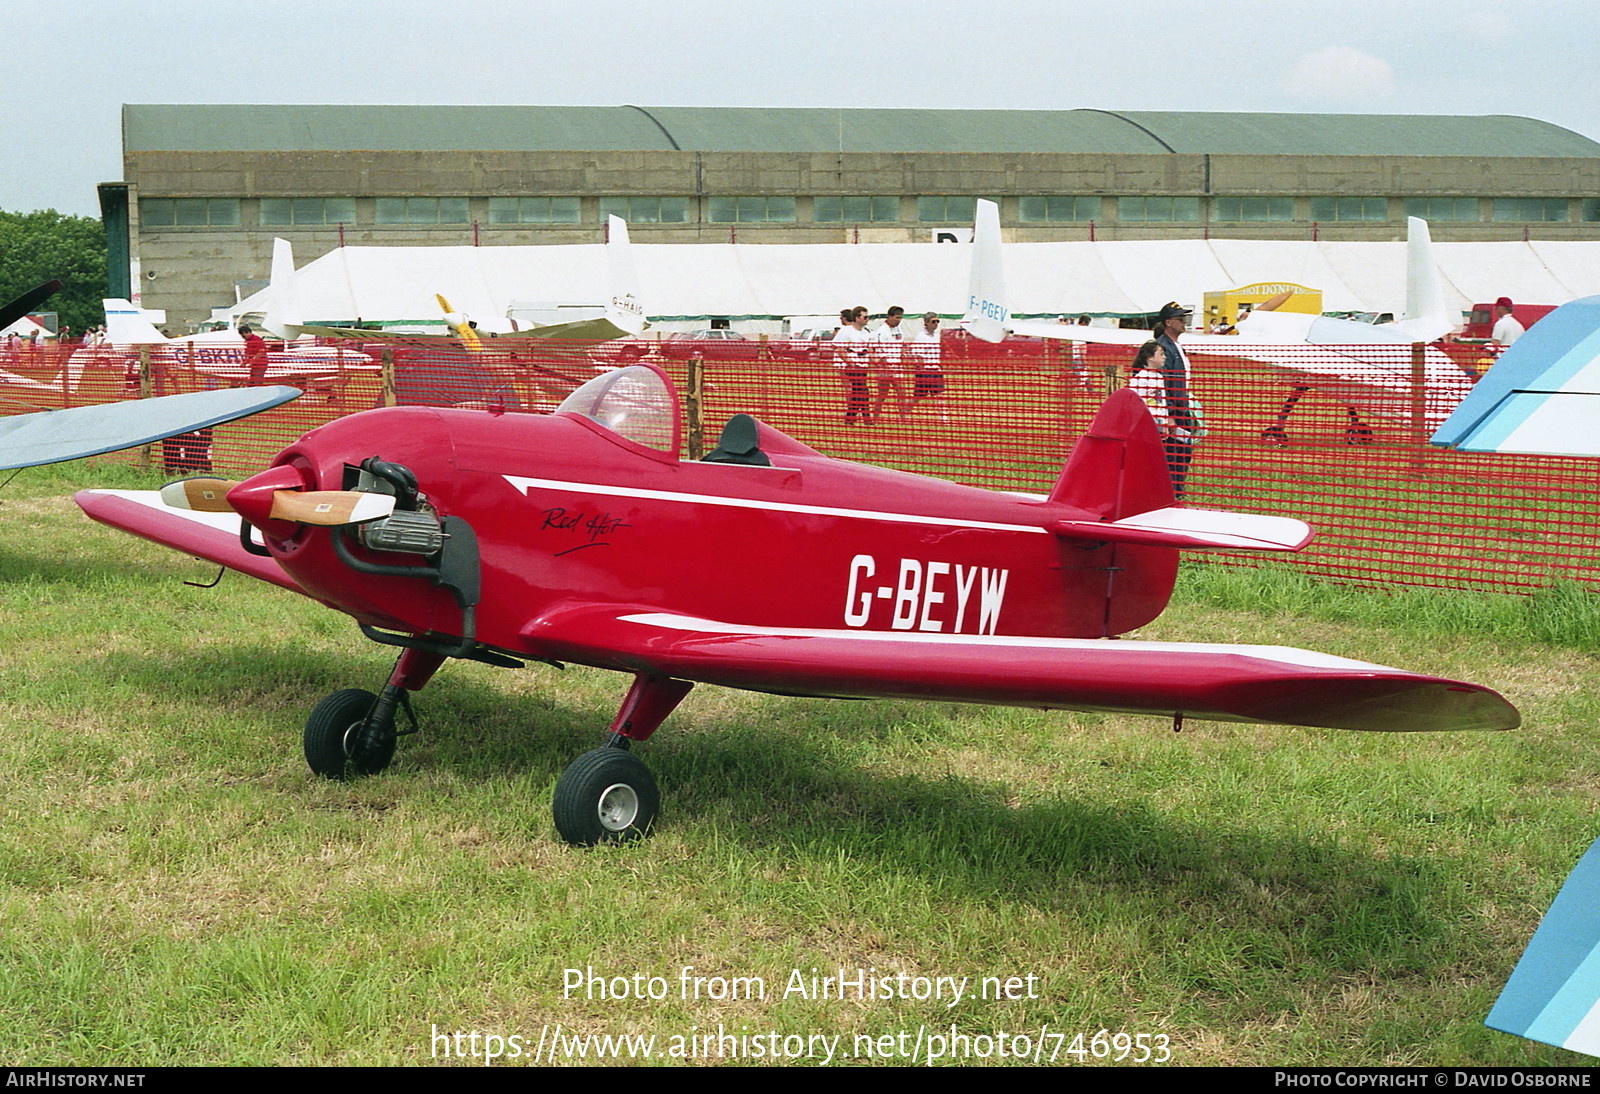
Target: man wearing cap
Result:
[1506, 329]
[925, 350]
[1183, 411]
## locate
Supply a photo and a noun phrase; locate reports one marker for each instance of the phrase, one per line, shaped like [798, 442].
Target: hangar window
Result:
[940, 210]
[1058, 208]
[1589, 209]
[730, 210]
[1158, 210]
[1252, 209]
[646, 210]
[189, 212]
[1334, 208]
[854, 210]
[540, 210]
[1527, 209]
[1443, 208]
[279, 212]
[421, 211]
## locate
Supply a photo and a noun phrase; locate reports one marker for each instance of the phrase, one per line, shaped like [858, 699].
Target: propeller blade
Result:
[330, 507]
[1273, 303]
[22, 305]
[203, 494]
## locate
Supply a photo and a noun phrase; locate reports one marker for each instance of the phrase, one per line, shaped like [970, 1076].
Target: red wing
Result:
[211, 536]
[1234, 683]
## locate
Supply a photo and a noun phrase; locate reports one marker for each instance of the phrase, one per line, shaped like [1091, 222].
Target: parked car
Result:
[803, 345]
[708, 345]
[1480, 321]
[620, 351]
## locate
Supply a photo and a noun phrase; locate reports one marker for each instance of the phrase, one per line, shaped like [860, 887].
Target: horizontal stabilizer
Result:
[51, 436]
[1193, 529]
[211, 536]
[1231, 683]
[1553, 995]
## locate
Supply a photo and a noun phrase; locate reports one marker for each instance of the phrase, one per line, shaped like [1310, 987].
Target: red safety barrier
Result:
[1336, 436]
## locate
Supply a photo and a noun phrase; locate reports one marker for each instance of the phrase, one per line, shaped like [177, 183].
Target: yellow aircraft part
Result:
[468, 336]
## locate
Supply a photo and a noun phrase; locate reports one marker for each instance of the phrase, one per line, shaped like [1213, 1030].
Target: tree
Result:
[44, 245]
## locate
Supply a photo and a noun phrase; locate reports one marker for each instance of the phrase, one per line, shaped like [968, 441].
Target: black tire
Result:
[331, 735]
[605, 796]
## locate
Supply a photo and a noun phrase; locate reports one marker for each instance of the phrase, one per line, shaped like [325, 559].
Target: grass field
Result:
[175, 888]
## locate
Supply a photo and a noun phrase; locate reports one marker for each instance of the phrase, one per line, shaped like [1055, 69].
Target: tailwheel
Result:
[605, 796]
[339, 741]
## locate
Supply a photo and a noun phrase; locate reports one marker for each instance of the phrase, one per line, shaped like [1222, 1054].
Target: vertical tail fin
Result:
[987, 314]
[282, 318]
[623, 309]
[1427, 315]
[1118, 468]
[127, 325]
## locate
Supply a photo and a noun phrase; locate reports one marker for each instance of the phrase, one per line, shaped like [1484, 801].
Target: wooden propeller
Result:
[203, 495]
[329, 508]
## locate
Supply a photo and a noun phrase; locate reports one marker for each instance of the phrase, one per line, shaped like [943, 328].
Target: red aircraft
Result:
[582, 536]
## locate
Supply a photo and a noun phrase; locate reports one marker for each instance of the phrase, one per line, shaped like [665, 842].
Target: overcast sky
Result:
[61, 89]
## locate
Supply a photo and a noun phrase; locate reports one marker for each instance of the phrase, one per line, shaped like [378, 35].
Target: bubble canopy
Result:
[636, 403]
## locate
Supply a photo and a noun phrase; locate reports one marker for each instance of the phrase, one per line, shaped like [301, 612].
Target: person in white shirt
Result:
[851, 344]
[925, 350]
[1506, 328]
[889, 363]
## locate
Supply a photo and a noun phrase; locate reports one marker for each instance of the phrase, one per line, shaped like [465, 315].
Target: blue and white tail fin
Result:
[1542, 395]
[987, 315]
[1553, 995]
[128, 325]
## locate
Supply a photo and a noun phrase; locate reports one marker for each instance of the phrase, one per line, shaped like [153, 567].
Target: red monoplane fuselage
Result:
[565, 509]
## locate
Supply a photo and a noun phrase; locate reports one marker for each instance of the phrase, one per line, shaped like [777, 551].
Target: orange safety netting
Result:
[1336, 436]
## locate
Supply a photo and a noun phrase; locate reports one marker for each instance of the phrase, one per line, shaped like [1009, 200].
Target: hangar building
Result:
[205, 188]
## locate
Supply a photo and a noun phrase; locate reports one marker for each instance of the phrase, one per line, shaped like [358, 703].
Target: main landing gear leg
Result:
[352, 733]
[607, 795]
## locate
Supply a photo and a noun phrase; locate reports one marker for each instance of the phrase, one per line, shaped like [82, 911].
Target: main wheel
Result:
[333, 737]
[605, 796]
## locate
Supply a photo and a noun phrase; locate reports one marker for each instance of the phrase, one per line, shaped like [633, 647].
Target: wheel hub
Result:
[619, 807]
[352, 740]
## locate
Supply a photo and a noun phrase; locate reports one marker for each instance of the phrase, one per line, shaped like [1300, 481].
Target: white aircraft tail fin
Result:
[1427, 316]
[623, 308]
[282, 318]
[127, 325]
[987, 315]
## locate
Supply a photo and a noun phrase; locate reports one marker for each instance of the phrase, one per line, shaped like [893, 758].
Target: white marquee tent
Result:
[683, 284]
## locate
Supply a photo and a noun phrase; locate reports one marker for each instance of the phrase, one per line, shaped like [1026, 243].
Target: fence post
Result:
[145, 451]
[1419, 404]
[386, 355]
[693, 408]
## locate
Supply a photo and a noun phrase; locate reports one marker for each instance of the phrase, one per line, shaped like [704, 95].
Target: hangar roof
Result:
[256, 128]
